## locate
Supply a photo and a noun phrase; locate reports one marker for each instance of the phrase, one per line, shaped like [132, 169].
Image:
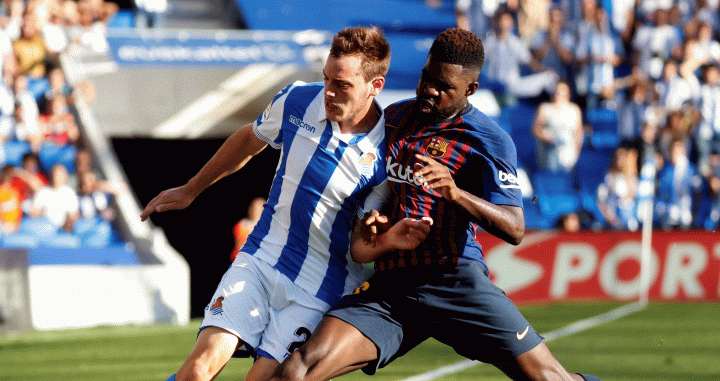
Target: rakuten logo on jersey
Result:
[508, 180]
[400, 174]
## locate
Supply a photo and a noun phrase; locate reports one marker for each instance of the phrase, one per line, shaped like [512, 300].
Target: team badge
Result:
[266, 113]
[437, 147]
[217, 307]
[367, 163]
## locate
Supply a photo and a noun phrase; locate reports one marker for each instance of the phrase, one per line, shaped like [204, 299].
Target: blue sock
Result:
[172, 378]
[587, 377]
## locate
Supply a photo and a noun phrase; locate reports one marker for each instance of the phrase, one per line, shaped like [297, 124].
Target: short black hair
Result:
[459, 47]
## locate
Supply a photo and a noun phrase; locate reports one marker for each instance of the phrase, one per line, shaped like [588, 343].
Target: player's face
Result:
[443, 90]
[347, 95]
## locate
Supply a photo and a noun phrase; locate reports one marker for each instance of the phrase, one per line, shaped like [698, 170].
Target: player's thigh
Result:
[291, 326]
[486, 326]
[240, 304]
[334, 349]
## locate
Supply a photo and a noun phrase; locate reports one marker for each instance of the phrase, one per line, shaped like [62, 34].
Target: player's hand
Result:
[437, 177]
[171, 199]
[374, 224]
[408, 233]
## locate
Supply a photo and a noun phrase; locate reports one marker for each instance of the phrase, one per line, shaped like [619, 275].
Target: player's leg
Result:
[536, 364]
[262, 369]
[334, 349]
[294, 314]
[489, 327]
[238, 314]
[212, 350]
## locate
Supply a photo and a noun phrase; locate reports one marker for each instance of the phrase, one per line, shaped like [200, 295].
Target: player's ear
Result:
[376, 85]
[471, 88]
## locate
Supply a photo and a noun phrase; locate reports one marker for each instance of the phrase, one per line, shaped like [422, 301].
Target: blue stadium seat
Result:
[521, 118]
[556, 194]
[51, 154]
[605, 127]
[14, 151]
[61, 240]
[534, 219]
[20, 240]
[37, 227]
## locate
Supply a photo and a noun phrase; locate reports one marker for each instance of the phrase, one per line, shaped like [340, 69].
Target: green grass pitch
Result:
[664, 342]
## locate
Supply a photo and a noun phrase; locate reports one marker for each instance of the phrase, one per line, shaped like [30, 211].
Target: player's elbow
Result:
[517, 235]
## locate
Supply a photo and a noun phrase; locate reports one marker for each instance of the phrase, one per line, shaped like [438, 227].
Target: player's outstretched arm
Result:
[406, 234]
[237, 150]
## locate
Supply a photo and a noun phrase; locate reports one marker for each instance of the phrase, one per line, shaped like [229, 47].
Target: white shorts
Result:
[272, 315]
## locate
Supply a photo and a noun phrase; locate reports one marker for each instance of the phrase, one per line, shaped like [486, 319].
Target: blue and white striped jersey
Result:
[321, 183]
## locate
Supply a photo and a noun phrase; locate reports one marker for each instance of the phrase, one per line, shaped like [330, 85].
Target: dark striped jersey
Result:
[482, 160]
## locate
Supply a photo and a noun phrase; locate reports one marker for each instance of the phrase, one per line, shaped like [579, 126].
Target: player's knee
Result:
[194, 371]
[293, 368]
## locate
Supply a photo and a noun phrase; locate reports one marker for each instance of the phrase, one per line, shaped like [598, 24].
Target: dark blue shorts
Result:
[455, 304]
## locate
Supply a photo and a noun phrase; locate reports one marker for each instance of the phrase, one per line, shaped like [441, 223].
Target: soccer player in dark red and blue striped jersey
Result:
[452, 167]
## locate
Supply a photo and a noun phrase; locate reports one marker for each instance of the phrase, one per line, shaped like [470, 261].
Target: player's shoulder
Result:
[398, 112]
[300, 90]
[487, 131]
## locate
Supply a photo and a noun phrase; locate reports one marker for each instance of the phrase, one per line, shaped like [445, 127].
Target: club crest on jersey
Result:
[437, 147]
[367, 163]
[266, 113]
[217, 307]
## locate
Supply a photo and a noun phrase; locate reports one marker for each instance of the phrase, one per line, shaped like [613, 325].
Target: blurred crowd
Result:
[50, 193]
[635, 80]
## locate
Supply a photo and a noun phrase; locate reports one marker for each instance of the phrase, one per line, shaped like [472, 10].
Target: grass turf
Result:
[664, 342]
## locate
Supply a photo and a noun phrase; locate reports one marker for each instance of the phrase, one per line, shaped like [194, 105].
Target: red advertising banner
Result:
[552, 265]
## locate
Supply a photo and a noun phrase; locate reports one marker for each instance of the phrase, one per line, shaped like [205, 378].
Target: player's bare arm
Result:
[504, 221]
[237, 150]
[406, 234]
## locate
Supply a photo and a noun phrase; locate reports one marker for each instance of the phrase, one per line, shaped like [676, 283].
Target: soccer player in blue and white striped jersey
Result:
[295, 264]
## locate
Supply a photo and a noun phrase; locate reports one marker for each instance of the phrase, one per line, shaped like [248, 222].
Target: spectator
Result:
[509, 53]
[713, 221]
[655, 44]
[57, 202]
[90, 34]
[558, 132]
[708, 137]
[673, 89]
[598, 53]
[58, 86]
[30, 49]
[60, 126]
[29, 178]
[244, 227]
[633, 114]
[554, 48]
[13, 21]
[150, 13]
[10, 199]
[94, 225]
[475, 15]
[24, 97]
[569, 222]
[54, 34]
[679, 185]
[617, 194]
[24, 131]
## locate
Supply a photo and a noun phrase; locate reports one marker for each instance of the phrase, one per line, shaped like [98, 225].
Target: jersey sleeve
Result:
[268, 126]
[375, 200]
[497, 164]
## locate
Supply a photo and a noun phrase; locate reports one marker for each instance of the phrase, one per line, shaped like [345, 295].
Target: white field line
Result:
[568, 330]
